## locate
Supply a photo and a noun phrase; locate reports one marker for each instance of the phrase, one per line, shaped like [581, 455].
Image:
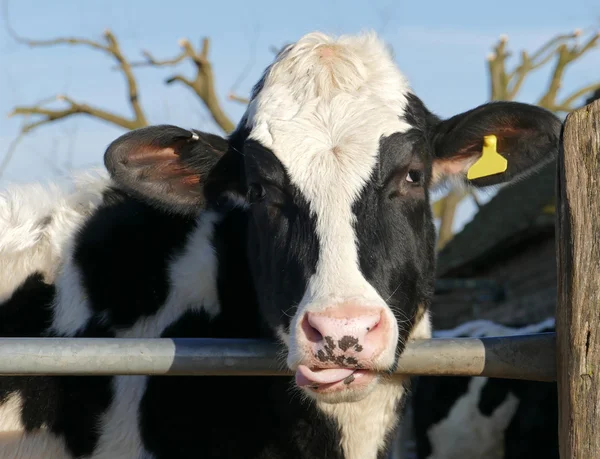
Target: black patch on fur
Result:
[533, 430]
[27, 313]
[226, 417]
[80, 402]
[395, 231]
[123, 252]
[70, 406]
[200, 415]
[418, 115]
[283, 248]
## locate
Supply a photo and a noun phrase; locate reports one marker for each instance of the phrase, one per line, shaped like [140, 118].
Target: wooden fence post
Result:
[578, 308]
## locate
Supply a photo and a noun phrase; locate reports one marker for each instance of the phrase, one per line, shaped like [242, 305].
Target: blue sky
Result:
[440, 46]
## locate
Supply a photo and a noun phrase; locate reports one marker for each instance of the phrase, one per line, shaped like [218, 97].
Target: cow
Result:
[36, 221]
[310, 225]
[486, 418]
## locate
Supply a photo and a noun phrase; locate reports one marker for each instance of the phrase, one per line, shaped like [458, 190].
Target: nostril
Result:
[310, 331]
[371, 327]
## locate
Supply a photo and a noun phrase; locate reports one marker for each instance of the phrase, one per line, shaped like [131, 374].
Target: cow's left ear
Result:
[526, 138]
[167, 166]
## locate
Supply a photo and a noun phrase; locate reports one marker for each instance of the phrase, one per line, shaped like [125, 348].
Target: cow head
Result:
[333, 163]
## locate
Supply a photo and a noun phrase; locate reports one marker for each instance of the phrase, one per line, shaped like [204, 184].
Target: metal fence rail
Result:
[531, 357]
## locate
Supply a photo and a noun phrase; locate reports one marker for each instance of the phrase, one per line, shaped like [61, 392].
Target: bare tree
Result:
[203, 83]
[108, 45]
[561, 51]
[504, 85]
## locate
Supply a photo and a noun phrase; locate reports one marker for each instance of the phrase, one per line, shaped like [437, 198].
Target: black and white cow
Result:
[486, 418]
[36, 221]
[310, 225]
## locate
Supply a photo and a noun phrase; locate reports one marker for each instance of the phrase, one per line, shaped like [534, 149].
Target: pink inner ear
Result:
[454, 166]
[148, 156]
[163, 165]
[191, 179]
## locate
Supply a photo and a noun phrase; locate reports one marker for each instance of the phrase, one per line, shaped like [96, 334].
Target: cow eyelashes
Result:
[256, 193]
[414, 176]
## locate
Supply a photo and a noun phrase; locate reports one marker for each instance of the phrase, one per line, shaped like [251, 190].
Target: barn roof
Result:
[517, 212]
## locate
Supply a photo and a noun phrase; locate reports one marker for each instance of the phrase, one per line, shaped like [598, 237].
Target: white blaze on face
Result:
[322, 110]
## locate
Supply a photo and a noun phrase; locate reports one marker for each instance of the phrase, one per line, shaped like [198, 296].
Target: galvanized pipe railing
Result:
[530, 357]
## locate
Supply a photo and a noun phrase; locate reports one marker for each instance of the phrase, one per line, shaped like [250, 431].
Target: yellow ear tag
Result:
[490, 162]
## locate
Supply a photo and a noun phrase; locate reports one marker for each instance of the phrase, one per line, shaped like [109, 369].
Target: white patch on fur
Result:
[366, 423]
[422, 329]
[16, 444]
[466, 432]
[10, 413]
[40, 444]
[37, 222]
[71, 306]
[283, 335]
[119, 425]
[193, 281]
[323, 108]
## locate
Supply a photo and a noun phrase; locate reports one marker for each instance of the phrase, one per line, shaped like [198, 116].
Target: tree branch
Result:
[152, 61]
[110, 47]
[116, 52]
[51, 42]
[240, 99]
[203, 83]
[506, 85]
[567, 104]
[566, 55]
[73, 108]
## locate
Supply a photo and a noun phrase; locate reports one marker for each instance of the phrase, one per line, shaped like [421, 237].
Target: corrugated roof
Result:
[518, 209]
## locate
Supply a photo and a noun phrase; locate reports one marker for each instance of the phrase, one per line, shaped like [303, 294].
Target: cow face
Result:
[333, 162]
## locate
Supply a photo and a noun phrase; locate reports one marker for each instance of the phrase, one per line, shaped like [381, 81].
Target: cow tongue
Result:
[307, 377]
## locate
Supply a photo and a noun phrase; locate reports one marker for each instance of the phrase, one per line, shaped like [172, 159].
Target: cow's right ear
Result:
[165, 165]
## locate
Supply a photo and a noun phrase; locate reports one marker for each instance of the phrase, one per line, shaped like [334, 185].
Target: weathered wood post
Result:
[578, 309]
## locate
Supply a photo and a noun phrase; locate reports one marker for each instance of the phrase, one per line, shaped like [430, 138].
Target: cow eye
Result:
[413, 176]
[256, 193]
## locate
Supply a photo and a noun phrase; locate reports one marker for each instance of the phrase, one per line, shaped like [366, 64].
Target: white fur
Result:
[365, 423]
[422, 329]
[323, 108]
[10, 413]
[324, 105]
[466, 432]
[36, 223]
[16, 444]
[40, 444]
[71, 307]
